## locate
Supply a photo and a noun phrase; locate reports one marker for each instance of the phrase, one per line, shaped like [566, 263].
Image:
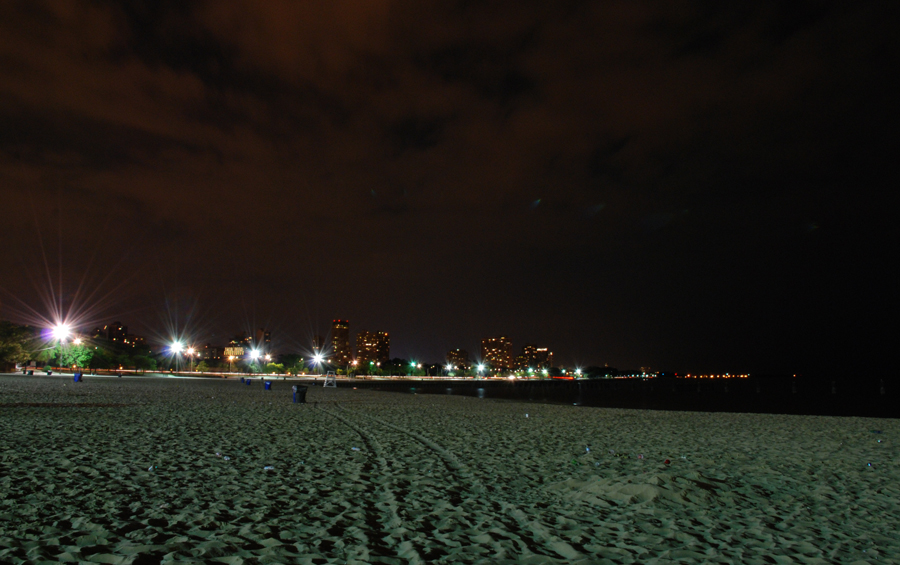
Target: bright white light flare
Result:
[61, 331]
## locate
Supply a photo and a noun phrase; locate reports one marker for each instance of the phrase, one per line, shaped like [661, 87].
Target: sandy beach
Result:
[151, 470]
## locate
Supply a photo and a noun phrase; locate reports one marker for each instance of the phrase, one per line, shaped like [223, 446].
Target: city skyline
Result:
[707, 187]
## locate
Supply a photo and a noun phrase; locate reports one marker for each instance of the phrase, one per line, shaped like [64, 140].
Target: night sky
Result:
[686, 185]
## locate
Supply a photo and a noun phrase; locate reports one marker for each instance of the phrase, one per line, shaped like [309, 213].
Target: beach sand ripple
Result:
[133, 471]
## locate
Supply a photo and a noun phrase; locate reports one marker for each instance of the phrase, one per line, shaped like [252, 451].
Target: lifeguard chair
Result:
[330, 380]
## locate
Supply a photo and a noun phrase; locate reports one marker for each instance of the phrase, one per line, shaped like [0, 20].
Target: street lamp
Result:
[176, 348]
[480, 369]
[60, 332]
[318, 360]
[231, 363]
[254, 355]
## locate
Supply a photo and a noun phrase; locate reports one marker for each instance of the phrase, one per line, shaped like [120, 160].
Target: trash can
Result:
[49, 372]
[242, 380]
[77, 377]
[299, 393]
[30, 373]
[268, 385]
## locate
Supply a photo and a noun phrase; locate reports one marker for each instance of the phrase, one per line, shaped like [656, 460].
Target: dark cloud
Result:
[584, 174]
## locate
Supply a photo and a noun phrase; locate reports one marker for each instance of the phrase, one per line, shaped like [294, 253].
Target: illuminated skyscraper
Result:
[497, 352]
[372, 346]
[458, 358]
[318, 344]
[534, 357]
[383, 347]
[340, 342]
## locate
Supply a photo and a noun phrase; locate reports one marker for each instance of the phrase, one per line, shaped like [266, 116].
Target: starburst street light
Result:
[61, 331]
[176, 347]
[317, 359]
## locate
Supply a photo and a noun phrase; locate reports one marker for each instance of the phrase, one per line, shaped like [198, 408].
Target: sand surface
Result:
[134, 470]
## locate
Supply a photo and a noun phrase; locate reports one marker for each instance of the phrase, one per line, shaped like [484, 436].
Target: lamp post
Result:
[317, 360]
[231, 363]
[190, 352]
[254, 355]
[176, 348]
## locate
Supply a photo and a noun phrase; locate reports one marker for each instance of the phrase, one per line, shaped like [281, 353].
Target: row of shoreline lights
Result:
[255, 354]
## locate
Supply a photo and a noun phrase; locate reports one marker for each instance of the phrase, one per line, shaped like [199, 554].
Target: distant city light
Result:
[61, 332]
[77, 341]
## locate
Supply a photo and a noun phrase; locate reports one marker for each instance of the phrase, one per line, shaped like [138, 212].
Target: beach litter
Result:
[355, 448]
[151, 467]
[226, 458]
[666, 462]
[269, 468]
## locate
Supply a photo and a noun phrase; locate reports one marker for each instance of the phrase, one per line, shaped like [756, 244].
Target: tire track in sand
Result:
[391, 524]
[525, 532]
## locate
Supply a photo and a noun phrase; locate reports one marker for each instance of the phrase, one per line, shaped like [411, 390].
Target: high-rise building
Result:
[242, 339]
[113, 332]
[543, 358]
[534, 357]
[318, 344]
[383, 347]
[497, 352]
[458, 358]
[340, 342]
[212, 352]
[372, 347]
[263, 339]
